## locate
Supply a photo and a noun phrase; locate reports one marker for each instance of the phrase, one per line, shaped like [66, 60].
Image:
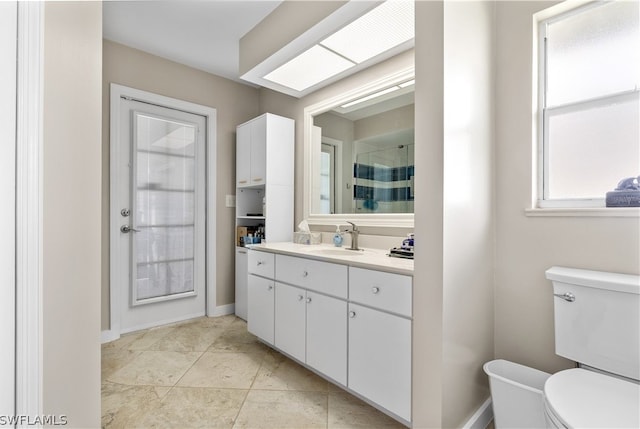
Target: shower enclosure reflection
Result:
[366, 161]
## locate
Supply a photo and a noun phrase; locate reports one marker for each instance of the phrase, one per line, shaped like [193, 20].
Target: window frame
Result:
[544, 113]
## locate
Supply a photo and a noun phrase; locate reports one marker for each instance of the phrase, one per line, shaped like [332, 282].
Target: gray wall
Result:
[235, 103]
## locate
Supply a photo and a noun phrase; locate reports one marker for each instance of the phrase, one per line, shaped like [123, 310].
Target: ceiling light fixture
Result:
[312, 66]
[386, 26]
[380, 33]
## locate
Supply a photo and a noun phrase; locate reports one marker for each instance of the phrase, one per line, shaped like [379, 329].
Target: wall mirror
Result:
[359, 155]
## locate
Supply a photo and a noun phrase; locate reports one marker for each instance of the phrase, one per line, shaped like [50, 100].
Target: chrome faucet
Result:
[355, 232]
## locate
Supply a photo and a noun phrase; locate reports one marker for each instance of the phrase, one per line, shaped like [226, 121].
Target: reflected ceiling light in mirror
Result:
[386, 26]
[379, 94]
[307, 69]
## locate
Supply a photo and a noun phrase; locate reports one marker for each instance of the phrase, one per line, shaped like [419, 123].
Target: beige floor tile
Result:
[223, 370]
[348, 412]
[192, 337]
[123, 342]
[149, 337]
[157, 368]
[194, 408]
[281, 373]
[265, 409]
[236, 339]
[114, 359]
[122, 404]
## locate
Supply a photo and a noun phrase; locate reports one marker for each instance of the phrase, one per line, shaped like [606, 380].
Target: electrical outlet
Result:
[230, 201]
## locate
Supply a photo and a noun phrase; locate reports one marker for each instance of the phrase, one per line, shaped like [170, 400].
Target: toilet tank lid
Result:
[627, 283]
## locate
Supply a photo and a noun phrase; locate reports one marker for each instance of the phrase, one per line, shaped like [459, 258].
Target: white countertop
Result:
[368, 258]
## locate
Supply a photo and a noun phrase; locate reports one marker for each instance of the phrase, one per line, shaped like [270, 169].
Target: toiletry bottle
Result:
[337, 237]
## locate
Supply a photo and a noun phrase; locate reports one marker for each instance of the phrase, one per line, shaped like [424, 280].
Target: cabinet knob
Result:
[269, 287]
[257, 179]
[260, 263]
[375, 289]
[305, 274]
[308, 300]
[300, 297]
[352, 314]
[242, 181]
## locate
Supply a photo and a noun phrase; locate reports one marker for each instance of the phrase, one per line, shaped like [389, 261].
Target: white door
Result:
[161, 208]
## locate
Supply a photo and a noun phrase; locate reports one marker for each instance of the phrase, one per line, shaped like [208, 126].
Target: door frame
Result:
[209, 113]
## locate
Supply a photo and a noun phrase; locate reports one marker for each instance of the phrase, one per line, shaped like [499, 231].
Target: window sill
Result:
[633, 212]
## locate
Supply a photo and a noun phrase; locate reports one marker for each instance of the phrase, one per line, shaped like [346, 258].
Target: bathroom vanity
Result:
[346, 315]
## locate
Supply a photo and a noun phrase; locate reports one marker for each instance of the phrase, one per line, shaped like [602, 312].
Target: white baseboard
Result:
[223, 310]
[481, 418]
[108, 336]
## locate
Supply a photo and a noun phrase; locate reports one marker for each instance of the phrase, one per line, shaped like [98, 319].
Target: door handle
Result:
[126, 229]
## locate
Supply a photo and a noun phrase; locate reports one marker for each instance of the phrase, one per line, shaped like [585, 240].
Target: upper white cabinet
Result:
[264, 151]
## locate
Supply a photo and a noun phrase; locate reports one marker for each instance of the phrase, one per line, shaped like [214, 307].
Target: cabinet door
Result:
[260, 307]
[290, 320]
[243, 155]
[327, 336]
[241, 283]
[380, 358]
[258, 153]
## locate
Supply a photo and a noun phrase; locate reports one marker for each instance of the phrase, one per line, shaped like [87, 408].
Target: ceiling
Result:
[201, 34]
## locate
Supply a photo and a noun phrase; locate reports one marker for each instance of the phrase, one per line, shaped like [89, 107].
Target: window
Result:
[589, 86]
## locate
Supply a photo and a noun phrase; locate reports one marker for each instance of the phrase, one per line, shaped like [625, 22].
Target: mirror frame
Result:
[312, 164]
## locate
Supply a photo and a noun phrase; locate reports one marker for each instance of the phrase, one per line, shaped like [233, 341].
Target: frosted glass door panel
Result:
[165, 208]
[165, 172]
[164, 279]
[164, 190]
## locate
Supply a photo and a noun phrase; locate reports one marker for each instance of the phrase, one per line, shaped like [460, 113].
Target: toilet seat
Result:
[579, 398]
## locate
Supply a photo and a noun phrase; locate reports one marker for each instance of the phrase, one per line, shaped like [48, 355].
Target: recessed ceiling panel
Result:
[307, 69]
[379, 30]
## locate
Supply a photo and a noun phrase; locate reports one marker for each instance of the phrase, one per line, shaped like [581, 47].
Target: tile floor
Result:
[212, 373]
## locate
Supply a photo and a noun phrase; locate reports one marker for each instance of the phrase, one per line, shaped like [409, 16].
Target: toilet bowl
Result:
[597, 324]
[580, 398]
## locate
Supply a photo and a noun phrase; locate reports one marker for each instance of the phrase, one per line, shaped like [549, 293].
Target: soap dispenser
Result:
[337, 237]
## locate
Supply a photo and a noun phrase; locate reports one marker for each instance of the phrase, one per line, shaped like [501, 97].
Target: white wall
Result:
[8, 32]
[71, 210]
[468, 207]
[527, 246]
[429, 207]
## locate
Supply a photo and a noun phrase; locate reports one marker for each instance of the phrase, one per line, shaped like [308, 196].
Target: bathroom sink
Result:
[336, 252]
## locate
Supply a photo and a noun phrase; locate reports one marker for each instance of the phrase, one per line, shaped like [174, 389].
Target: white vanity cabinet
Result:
[312, 328]
[310, 325]
[380, 338]
[261, 295]
[351, 324]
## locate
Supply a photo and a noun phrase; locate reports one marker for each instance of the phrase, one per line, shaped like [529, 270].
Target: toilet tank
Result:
[597, 319]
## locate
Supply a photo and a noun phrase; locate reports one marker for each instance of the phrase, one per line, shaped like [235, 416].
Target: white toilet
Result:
[597, 324]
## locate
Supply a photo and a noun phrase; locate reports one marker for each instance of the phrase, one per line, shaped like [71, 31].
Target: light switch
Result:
[230, 201]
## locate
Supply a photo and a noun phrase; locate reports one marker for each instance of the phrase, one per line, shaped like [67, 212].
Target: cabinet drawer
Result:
[386, 291]
[261, 263]
[319, 276]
